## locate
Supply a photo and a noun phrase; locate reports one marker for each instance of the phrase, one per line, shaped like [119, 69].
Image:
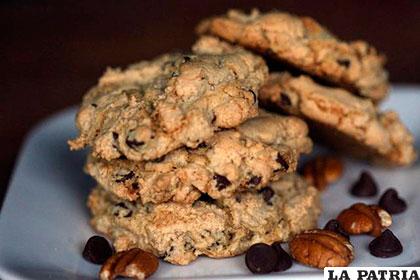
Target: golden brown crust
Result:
[305, 44]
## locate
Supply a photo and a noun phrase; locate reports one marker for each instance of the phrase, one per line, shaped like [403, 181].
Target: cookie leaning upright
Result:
[306, 45]
[157, 106]
[341, 120]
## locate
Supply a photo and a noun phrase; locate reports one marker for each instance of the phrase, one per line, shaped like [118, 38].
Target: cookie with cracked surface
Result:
[154, 107]
[303, 43]
[349, 123]
[247, 157]
[179, 233]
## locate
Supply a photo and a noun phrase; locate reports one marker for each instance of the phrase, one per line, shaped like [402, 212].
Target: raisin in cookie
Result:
[179, 233]
[246, 157]
[349, 123]
[154, 107]
[303, 43]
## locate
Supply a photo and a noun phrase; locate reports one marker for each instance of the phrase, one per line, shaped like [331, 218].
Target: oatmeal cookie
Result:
[247, 157]
[304, 44]
[346, 122]
[154, 107]
[179, 233]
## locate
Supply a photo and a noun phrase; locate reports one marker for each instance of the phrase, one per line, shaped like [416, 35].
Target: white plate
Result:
[44, 220]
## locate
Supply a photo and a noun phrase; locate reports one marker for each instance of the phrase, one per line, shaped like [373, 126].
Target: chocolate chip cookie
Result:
[179, 233]
[346, 122]
[156, 106]
[304, 44]
[247, 157]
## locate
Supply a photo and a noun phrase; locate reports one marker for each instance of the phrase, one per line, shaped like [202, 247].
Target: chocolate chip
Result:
[122, 210]
[391, 202]
[284, 99]
[284, 259]
[122, 205]
[94, 105]
[122, 157]
[202, 145]
[282, 161]
[133, 143]
[267, 194]
[334, 225]
[255, 180]
[125, 177]
[187, 58]
[206, 198]
[221, 182]
[135, 186]
[115, 135]
[365, 186]
[344, 62]
[97, 250]
[261, 258]
[386, 245]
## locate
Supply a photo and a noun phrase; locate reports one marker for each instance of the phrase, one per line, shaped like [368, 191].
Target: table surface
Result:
[51, 52]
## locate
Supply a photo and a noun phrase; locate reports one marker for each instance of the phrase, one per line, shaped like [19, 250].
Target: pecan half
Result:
[321, 248]
[322, 171]
[364, 219]
[134, 263]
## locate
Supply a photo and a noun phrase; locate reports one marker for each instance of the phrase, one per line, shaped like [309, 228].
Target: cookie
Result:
[179, 233]
[154, 107]
[246, 157]
[304, 44]
[346, 122]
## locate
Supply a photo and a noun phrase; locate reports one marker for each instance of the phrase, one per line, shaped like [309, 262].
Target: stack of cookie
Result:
[186, 162]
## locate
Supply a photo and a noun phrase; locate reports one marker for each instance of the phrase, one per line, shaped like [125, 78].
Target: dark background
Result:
[51, 52]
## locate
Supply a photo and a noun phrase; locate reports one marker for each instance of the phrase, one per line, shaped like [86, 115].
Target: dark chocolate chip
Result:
[125, 177]
[284, 259]
[344, 62]
[261, 258]
[221, 181]
[122, 205]
[94, 105]
[334, 225]
[255, 180]
[134, 143]
[97, 250]
[122, 210]
[202, 145]
[386, 245]
[282, 161]
[187, 58]
[206, 198]
[391, 202]
[365, 186]
[122, 157]
[267, 194]
[115, 135]
[284, 99]
[135, 186]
